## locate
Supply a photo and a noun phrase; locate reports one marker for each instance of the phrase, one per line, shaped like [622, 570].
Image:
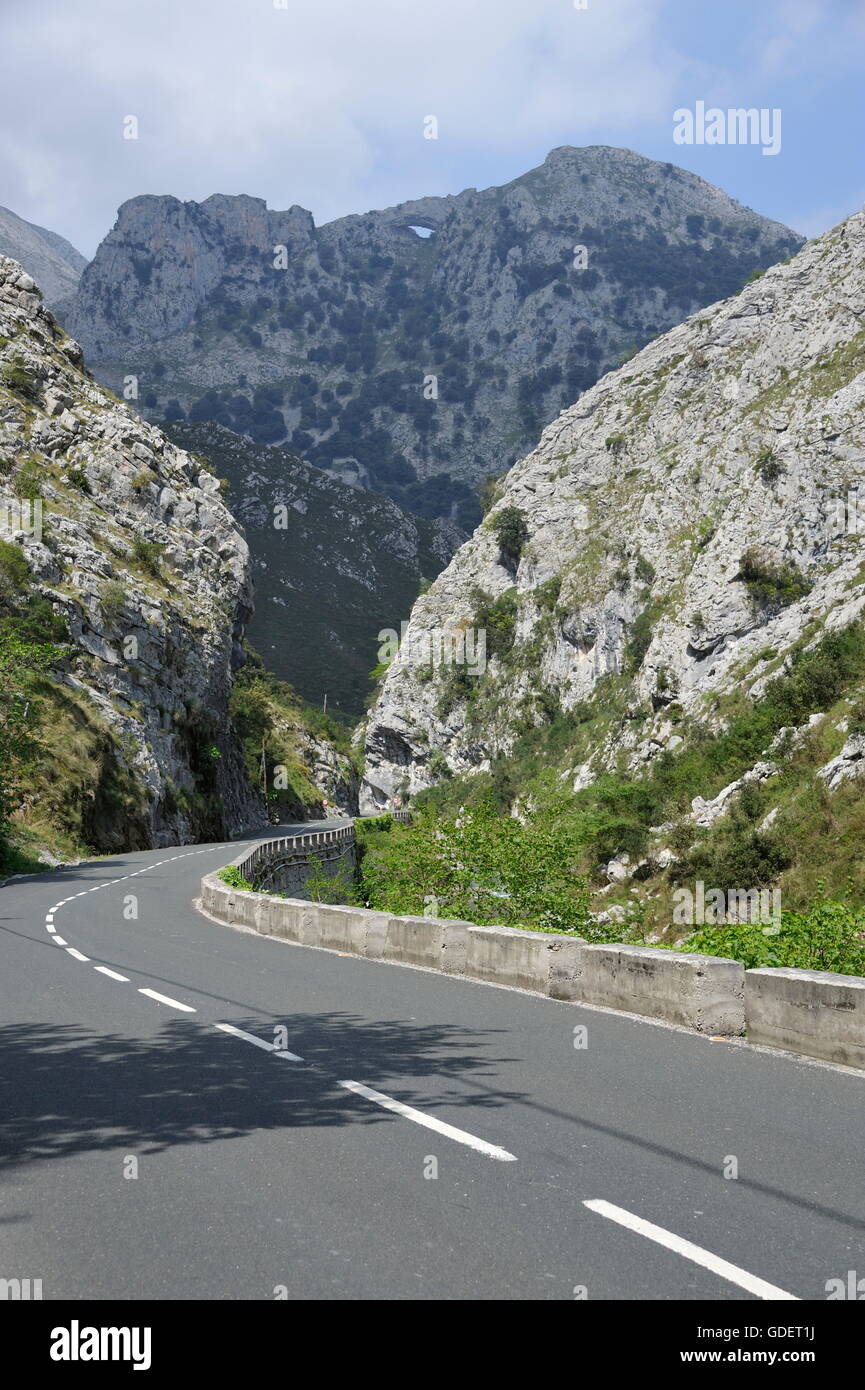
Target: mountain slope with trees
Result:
[420, 349]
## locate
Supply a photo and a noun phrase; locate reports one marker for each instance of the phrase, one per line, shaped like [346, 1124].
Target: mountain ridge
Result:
[417, 366]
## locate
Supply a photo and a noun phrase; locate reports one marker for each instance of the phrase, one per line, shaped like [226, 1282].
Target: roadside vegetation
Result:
[272, 722]
[786, 831]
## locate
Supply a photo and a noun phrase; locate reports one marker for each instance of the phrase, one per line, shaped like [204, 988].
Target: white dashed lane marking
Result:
[429, 1122]
[732, 1273]
[164, 999]
[397, 1107]
[258, 1042]
[109, 883]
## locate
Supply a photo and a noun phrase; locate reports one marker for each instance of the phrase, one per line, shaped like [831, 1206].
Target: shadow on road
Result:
[68, 1090]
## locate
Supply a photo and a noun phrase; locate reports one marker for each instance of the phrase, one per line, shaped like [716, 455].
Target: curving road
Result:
[475, 1154]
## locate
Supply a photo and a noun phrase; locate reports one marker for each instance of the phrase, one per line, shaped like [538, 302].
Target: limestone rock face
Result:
[139, 555]
[690, 518]
[164, 257]
[517, 299]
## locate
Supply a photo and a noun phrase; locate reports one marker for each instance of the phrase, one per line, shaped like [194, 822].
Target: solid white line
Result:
[758, 1287]
[77, 954]
[112, 974]
[460, 1135]
[258, 1042]
[164, 999]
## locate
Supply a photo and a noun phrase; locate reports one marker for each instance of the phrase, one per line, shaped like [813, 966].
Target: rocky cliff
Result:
[676, 541]
[49, 259]
[419, 349]
[139, 572]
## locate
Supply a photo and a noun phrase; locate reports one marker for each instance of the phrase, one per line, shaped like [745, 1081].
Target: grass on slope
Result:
[811, 845]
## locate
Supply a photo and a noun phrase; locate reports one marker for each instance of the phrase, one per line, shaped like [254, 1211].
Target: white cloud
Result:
[321, 103]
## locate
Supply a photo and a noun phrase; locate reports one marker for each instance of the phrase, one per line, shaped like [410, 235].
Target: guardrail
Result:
[285, 862]
[815, 1013]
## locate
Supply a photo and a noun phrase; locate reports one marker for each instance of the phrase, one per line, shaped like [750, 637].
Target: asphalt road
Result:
[260, 1173]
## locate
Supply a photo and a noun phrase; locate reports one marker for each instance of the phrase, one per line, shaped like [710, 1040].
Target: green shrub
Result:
[16, 377]
[498, 619]
[339, 888]
[769, 466]
[437, 764]
[511, 531]
[639, 639]
[142, 480]
[37, 622]
[113, 601]
[644, 571]
[28, 480]
[78, 478]
[234, 878]
[14, 570]
[457, 685]
[753, 858]
[546, 595]
[771, 584]
[828, 935]
[482, 867]
[148, 555]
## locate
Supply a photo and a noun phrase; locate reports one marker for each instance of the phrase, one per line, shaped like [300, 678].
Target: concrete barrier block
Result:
[375, 933]
[702, 992]
[816, 1012]
[566, 968]
[244, 908]
[211, 898]
[325, 925]
[542, 961]
[436, 942]
[286, 918]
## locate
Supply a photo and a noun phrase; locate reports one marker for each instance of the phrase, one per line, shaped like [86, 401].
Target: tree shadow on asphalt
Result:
[68, 1090]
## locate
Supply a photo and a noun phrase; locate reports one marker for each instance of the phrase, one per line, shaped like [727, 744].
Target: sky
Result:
[324, 103]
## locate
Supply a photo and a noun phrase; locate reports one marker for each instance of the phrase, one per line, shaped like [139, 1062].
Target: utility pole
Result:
[324, 706]
[263, 769]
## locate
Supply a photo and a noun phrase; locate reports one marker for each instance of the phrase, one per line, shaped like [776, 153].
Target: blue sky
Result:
[321, 102]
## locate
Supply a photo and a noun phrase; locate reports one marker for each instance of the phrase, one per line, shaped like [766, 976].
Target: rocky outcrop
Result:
[417, 365]
[148, 573]
[850, 762]
[49, 259]
[164, 258]
[687, 524]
